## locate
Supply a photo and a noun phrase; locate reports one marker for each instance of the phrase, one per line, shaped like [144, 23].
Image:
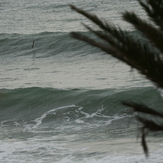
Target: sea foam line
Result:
[42, 117]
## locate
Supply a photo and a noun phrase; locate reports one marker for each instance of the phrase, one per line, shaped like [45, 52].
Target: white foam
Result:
[79, 121]
[62, 149]
[43, 116]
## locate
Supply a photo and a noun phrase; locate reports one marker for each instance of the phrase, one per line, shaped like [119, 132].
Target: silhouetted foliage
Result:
[144, 56]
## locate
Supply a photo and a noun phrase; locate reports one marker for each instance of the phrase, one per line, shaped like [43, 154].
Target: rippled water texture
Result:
[60, 101]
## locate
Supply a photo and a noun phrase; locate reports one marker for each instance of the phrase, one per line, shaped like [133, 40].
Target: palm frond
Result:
[92, 42]
[145, 56]
[124, 47]
[143, 142]
[154, 11]
[150, 124]
[148, 30]
[142, 108]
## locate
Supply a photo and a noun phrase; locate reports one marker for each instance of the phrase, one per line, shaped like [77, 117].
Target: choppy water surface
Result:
[61, 100]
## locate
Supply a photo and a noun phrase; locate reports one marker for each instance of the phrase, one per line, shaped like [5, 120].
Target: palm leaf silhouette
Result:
[145, 55]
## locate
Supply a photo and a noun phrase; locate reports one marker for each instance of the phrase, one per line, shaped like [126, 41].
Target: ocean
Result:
[60, 101]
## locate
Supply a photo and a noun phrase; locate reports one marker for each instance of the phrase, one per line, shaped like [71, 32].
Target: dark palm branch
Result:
[143, 109]
[145, 56]
[148, 30]
[124, 47]
[154, 11]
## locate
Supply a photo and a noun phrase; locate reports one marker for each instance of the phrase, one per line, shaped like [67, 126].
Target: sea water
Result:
[60, 101]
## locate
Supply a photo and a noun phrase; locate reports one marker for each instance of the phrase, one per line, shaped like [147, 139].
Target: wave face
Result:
[49, 43]
[92, 108]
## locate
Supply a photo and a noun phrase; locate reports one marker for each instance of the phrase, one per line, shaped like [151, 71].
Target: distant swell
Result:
[46, 43]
